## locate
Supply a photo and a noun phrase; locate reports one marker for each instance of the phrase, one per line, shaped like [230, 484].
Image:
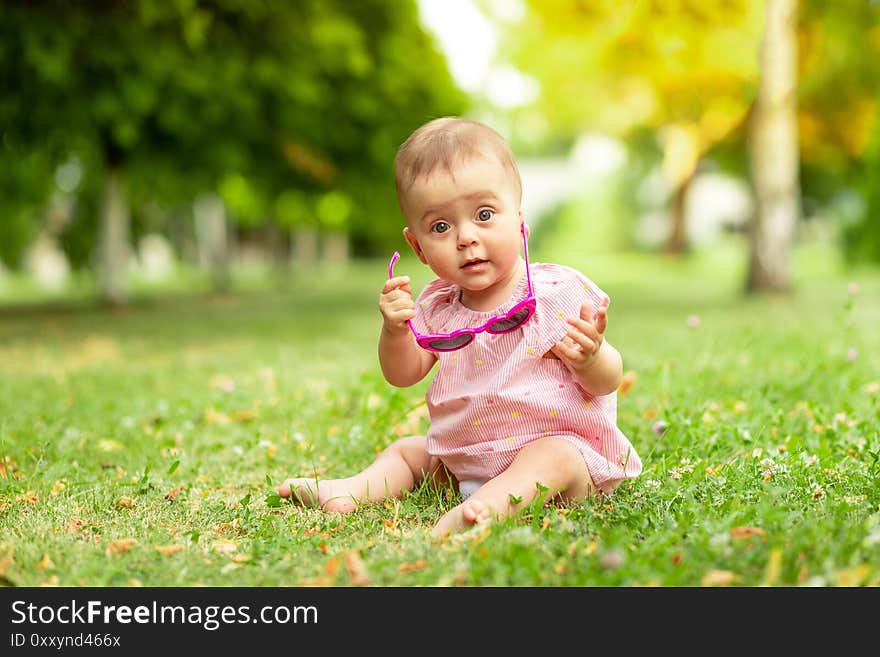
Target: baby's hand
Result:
[580, 348]
[396, 303]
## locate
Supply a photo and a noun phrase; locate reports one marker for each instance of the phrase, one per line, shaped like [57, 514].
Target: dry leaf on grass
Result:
[123, 545]
[418, 564]
[224, 546]
[125, 502]
[168, 550]
[745, 532]
[356, 568]
[853, 576]
[719, 578]
[172, 494]
[46, 563]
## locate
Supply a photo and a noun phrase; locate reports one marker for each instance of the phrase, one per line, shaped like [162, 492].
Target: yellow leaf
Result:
[774, 567]
[224, 546]
[46, 563]
[123, 545]
[124, 502]
[214, 417]
[853, 576]
[108, 445]
[719, 578]
[28, 497]
[244, 416]
[58, 487]
[168, 550]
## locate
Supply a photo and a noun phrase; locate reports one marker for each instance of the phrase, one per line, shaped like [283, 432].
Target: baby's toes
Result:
[476, 512]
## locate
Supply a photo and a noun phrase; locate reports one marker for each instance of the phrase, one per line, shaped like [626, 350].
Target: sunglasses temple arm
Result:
[526, 251]
[394, 259]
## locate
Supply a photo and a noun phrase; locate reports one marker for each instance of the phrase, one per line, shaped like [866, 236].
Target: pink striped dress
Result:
[498, 394]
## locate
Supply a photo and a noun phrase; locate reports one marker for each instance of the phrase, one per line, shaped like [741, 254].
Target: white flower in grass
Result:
[686, 467]
[652, 483]
[809, 459]
[674, 473]
[757, 452]
[816, 491]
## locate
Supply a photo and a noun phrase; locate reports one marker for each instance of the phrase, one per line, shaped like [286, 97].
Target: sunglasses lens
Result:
[451, 344]
[510, 323]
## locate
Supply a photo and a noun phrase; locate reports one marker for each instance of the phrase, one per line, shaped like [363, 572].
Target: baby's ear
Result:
[414, 244]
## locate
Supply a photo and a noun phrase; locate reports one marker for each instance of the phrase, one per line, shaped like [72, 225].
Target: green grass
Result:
[767, 472]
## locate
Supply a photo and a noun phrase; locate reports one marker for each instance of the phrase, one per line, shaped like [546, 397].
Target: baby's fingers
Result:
[398, 282]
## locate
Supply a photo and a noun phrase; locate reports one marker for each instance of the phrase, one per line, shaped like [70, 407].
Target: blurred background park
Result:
[154, 147]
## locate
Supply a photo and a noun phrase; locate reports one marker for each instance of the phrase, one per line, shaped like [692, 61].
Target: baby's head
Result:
[442, 145]
[460, 192]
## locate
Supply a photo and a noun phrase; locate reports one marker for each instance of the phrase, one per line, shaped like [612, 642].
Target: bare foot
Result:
[329, 494]
[467, 514]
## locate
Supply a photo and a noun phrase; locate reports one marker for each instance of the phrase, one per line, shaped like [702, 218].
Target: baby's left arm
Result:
[594, 363]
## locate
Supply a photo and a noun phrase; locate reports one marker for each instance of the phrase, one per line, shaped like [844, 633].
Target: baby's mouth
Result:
[473, 263]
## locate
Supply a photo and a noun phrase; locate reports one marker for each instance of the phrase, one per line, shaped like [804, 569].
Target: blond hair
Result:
[444, 142]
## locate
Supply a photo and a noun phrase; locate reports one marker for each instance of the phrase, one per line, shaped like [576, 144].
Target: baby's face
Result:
[465, 224]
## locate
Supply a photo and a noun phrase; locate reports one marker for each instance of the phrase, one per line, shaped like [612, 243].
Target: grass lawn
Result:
[138, 445]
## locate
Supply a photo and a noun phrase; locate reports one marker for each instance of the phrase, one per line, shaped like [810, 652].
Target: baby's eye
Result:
[485, 214]
[440, 227]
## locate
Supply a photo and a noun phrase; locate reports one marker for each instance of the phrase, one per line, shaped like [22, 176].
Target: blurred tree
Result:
[686, 69]
[773, 150]
[250, 100]
[838, 123]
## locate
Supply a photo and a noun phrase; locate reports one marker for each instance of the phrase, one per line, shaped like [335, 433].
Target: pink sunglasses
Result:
[509, 321]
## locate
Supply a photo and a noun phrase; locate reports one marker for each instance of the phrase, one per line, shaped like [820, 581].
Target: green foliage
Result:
[246, 99]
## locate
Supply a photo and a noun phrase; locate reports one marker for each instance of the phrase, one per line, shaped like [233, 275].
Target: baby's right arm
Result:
[403, 362]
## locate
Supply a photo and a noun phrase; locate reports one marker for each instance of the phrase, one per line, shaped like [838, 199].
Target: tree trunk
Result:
[336, 248]
[773, 153]
[304, 240]
[213, 239]
[678, 241]
[114, 247]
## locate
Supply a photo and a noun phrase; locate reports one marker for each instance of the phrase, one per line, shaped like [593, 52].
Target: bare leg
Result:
[399, 468]
[552, 462]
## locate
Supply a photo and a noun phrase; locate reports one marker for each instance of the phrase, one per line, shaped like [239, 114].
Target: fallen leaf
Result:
[6, 559]
[213, 417]
[719, 578]
[124, 502]
[123, 545]
[168, 550]
[224, 546]
[241, 558]
[172, 494]
[108, 445]
[74, 525]
[356, 568]
[746, 532]
[418, 564]
[58, 487]
[244, 416]
[332, 566]
[853, 576]
[28, 497]
[46, 563]
[627, 382]
[774, 567]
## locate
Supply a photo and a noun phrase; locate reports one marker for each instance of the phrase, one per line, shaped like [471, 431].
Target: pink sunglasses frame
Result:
[529, 303]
